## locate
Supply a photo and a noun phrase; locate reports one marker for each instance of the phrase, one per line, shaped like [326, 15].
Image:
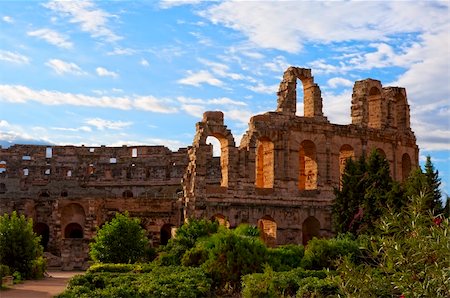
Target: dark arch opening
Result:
[166, 234]
[310, 229]
[44, 194]
[42, 230]
[73, 230]
[64, 193]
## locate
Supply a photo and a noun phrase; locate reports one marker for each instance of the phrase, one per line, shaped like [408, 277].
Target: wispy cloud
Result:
[13, 57]
[144, 62]
[337, 81]
[102, 124]
[70, 129]
[23, 94]
[122, 51]
[8, 19]
[52, 37]
[85, 13]
[103, 72]
[200, 77]
[262, 88]
[63, 67]
[213, 101]
[171, 3]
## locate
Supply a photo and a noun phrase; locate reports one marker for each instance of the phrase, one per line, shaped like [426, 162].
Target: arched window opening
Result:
[308, 171]
[264, 163]
[42, 230]
[374, 108]
[127, 194]
[73, 230]
[2, 188]
[26, 172]
[345, 153]
[64, 193]
[300, 99]
[166, 234]
[222, 220]
[310, 229]
[2, 166]
[91, 169]
[268, 229]
[219, 165]
[406, 166]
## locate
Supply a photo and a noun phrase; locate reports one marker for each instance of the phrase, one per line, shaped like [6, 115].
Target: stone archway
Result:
[42, 230]
[308, 171]
[310, 229]
[73, 230]
[264, 163]
[165, 234]
[221, 219]
[268, 229]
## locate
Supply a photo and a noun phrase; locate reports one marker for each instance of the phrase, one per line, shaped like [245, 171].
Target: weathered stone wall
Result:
[284, 171]
[69, 191]
[281, 177]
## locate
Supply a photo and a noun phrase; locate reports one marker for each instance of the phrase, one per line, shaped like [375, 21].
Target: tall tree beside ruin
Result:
[434, 182]
[367, 191]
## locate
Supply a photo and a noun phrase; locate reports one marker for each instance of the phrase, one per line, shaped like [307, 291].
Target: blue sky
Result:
[142, 72]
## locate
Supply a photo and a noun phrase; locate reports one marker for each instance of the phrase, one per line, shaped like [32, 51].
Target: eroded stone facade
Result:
[281, 176]
[68, 191]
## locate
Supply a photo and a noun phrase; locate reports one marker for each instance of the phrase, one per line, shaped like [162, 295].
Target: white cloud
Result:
[62, 67]
[337, 81]
[172, 3]
[221, 70]
[242, 116]
[8, 19]
[4, 123]
[200, 77]
[103, 72]
[13, 57]
[194, 110]
[153, 104]
[85, 13]
[81, 128]
[51, 37]
[102, 124]
[288, 25]
[214, 101]
[278, 64]
[122, 51]
[144, 62]
[265, 89]
[23, 94]
[336, 107]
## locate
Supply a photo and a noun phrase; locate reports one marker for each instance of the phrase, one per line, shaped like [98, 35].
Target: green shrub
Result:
[38, 267]
[108, 267]
[325, 253]
[315, 287]
[277, 284]
[4, 270]
[19, 245]
[122, 240]
[170, 281]
[247, 230]
[286, 257]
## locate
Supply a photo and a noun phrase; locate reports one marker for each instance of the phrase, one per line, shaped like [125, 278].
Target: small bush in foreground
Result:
[20, 247]
[122, 240]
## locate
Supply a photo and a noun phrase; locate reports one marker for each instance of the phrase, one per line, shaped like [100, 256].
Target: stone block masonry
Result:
[280, 177]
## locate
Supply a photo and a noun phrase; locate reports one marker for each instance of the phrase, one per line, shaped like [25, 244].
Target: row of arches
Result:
[308, 171]
[268, 228]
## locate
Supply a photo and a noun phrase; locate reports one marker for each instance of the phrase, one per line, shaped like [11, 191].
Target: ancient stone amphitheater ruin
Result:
[280, 177]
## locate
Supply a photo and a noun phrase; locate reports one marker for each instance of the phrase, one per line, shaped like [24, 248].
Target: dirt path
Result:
[43, 288]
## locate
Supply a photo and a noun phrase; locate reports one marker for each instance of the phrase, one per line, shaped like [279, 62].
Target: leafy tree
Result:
[20, 247]
[433, 182]
[366, 193]
[122, 240]
[409, 255]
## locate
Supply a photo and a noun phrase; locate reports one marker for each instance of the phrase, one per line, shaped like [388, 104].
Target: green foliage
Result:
[313, 287]
[185, 239]
[4, 271]
[367, 192]
[433, 182]
[247, 230]
[38, 267]
[324, 253]
[446, 210]
[19, 246]
[409, 255]
[170, 281]
[122, 240]
[281, 284]
[285, 257]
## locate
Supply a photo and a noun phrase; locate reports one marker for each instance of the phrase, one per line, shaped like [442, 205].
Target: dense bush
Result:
[185, 239]
[122, 240]
[20, 247]
[285, 257]
[408, 256]
[170, 281]
[285, 284]
[324, 253]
